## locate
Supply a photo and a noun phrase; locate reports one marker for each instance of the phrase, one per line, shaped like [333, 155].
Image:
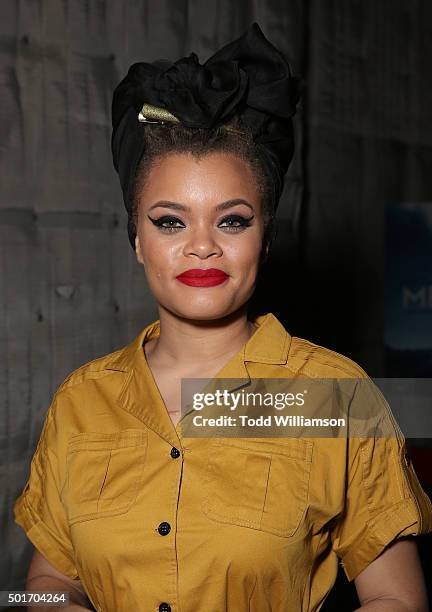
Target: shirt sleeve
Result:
[384, 499]
[39, 509]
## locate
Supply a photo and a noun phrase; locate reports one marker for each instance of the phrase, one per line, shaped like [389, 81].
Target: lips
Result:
[198, 277]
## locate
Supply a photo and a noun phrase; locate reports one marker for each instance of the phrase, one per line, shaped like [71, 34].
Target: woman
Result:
[127, 513]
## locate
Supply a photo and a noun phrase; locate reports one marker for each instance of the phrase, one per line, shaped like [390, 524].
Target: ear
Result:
[138, 250]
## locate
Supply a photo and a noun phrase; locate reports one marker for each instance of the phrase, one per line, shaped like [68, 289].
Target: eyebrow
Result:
[221, 206]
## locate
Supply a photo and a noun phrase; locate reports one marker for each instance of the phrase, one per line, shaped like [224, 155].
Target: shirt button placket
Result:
[164, 528]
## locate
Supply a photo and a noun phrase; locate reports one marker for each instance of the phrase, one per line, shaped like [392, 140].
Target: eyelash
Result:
[243, 221]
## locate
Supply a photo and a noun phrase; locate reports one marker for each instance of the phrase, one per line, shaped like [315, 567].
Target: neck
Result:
[188, 342]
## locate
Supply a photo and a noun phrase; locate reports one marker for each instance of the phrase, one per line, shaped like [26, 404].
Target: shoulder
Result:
[311, 359]
[273, 345]
[87, 399]
[121, 360]
[94, 369]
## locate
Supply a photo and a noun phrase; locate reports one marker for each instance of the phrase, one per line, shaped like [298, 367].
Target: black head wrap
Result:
[248, 77]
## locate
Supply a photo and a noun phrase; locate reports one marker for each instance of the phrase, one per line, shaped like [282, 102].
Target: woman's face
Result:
[195, 214]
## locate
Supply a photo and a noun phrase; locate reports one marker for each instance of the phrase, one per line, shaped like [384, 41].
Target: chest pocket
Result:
[257, 483]
[104, 473]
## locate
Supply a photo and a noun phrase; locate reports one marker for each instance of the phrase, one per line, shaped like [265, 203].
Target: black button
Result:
[175, 452]
[164, 607]
[164, 528]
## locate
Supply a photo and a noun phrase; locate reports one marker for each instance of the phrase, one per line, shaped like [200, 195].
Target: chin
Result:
[202, 309]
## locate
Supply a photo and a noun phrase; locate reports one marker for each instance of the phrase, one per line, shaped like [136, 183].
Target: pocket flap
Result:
[104, 472]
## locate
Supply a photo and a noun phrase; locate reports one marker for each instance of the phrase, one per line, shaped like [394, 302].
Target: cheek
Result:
[160, 256]
[243, 251]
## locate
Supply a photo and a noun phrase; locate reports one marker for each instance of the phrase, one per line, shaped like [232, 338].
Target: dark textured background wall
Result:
[70, 288]
[369, 144]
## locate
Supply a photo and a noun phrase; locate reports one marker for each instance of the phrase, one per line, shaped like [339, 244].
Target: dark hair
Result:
[161, 140]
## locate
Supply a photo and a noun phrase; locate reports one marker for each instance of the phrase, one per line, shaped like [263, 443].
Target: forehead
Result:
[214, 176]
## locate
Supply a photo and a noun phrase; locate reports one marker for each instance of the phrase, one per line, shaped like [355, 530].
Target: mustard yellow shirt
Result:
[151, 521]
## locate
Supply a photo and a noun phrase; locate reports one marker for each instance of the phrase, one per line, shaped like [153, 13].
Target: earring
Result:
[264, 253]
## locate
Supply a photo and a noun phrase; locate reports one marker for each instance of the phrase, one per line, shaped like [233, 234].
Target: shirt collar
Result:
[270, 343]
[141, 397]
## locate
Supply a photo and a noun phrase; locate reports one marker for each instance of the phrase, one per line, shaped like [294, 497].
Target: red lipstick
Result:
[198, 277]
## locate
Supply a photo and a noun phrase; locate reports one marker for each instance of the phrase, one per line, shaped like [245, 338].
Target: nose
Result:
[202, 243]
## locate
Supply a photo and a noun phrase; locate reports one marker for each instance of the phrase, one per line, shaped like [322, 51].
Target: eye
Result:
[235, 223]
[165, 224]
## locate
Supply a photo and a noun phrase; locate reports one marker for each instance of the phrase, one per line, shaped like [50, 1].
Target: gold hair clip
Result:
[157, 114]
